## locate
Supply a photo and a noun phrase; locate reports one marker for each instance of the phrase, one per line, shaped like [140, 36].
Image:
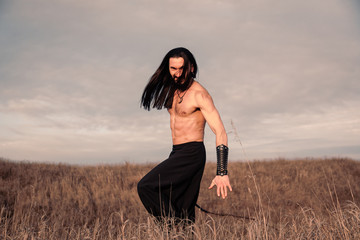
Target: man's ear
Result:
[192, 71]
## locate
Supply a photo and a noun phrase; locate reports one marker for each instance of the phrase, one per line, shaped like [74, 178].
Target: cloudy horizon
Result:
[284, 76]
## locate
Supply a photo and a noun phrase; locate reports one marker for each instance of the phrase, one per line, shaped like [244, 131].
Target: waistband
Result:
[182, 145]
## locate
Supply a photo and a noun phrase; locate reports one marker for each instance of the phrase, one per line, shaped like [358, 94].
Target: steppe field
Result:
[277, 199]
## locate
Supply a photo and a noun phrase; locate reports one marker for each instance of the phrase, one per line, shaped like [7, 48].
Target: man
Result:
[172, 187]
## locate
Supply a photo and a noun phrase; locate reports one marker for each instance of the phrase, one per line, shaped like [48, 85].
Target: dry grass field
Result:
[286, 199]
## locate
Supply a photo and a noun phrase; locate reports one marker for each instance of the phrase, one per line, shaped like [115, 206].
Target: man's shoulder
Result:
[200, 93]
[198, 88]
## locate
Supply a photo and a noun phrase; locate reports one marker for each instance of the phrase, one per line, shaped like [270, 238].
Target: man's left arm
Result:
[212, 117]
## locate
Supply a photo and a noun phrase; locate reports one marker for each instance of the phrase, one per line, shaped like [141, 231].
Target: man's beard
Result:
[180, 83]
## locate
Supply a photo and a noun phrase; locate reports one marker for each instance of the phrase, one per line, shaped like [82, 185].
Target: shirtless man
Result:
[172, 187]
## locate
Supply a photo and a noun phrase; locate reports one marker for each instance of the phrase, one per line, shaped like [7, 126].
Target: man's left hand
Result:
[222, 183]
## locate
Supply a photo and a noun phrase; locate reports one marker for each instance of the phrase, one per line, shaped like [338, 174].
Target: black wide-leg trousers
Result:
[171, 188]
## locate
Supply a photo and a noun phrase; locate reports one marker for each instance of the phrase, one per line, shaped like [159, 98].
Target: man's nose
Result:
[178, 73]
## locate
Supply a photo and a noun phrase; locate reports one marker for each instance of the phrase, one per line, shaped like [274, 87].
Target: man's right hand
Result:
[222, 183]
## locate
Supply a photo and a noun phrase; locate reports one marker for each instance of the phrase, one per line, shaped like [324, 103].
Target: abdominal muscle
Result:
[188, 128]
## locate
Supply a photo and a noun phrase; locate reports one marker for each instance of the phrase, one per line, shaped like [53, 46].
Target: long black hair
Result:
[159, 92]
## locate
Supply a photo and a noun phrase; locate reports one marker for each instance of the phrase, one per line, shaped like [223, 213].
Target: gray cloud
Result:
[72, 73]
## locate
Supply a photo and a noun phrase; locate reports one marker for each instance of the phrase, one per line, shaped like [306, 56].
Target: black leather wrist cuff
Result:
[222, 153]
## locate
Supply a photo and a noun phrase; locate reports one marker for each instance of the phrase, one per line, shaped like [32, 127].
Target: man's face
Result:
[176, 67]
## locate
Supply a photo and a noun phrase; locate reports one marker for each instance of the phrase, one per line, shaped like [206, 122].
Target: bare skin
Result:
[190, 111]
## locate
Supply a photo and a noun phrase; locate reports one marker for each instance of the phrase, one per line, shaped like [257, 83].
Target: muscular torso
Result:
[187, 122]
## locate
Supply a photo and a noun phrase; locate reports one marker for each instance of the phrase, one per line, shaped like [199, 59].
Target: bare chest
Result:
[183, 107]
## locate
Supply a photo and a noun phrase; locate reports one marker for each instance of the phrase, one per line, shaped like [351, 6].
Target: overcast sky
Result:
[283, 74]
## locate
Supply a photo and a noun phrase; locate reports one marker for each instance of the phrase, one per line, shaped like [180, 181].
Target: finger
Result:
[222, 192]
[230, 188]
[218, 191]
[212, 184]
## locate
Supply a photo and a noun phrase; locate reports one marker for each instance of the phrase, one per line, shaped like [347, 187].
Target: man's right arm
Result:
[212, 116]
